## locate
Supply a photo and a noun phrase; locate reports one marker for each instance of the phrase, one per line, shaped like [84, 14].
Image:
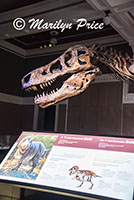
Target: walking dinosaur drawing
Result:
[83, 175]
[72, 72]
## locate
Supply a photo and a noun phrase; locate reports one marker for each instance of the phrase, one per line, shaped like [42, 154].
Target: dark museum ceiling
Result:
[8, 5]
[28, 43]
[34, 41]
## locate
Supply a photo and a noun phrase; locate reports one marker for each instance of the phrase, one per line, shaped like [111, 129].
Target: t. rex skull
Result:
[71, 73]
[67, 76]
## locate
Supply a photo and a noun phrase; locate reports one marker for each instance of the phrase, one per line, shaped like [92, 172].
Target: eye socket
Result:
[44, 72]
[81, 52]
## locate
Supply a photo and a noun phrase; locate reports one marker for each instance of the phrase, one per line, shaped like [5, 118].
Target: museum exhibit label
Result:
[84, 165]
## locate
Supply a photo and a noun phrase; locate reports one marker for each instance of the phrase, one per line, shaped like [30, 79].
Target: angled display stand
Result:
[72, 165]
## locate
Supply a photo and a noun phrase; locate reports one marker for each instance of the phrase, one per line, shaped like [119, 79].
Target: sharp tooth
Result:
[44, 84]
[53, 91]
[34, 88]
[41, 86]
[56, 89]
[31, 88]
[38, 96]
[49, 83]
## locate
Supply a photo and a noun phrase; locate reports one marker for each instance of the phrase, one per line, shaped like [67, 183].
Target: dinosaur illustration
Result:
[83, 175]
[30, 151]
[73, 71]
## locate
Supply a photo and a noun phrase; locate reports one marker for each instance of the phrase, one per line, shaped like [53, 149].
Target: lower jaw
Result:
[63, 96]
[50, 101]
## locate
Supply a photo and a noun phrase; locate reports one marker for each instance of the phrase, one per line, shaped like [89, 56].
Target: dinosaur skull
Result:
[67, 76]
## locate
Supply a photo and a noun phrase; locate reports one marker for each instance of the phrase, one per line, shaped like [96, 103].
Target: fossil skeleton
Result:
[73, 71]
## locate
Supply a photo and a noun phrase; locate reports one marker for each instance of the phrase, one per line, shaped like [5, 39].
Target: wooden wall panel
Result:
[14, 118]
[74, 119]
[97, 110]
[9, 119]
[62, 117]
[27, 114]
[110, 120]
[89, 121]
[128, 120]
[40, 124]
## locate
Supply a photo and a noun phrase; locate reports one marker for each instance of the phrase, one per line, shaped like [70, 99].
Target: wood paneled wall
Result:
[128, 119]
[98, 110]
[15, 118]
[62, 117]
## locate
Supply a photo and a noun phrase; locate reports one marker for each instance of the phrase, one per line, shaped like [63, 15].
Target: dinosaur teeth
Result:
[41, 86]
[44, 94]
[48, 88]
[34, 88]
[49, 83]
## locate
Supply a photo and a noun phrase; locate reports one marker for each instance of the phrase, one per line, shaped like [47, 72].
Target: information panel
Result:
[87, 165]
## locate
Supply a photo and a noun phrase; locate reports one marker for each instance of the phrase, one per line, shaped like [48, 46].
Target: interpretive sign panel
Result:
[87, 165]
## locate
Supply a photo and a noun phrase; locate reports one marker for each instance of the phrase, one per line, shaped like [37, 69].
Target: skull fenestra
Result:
[67, 76]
